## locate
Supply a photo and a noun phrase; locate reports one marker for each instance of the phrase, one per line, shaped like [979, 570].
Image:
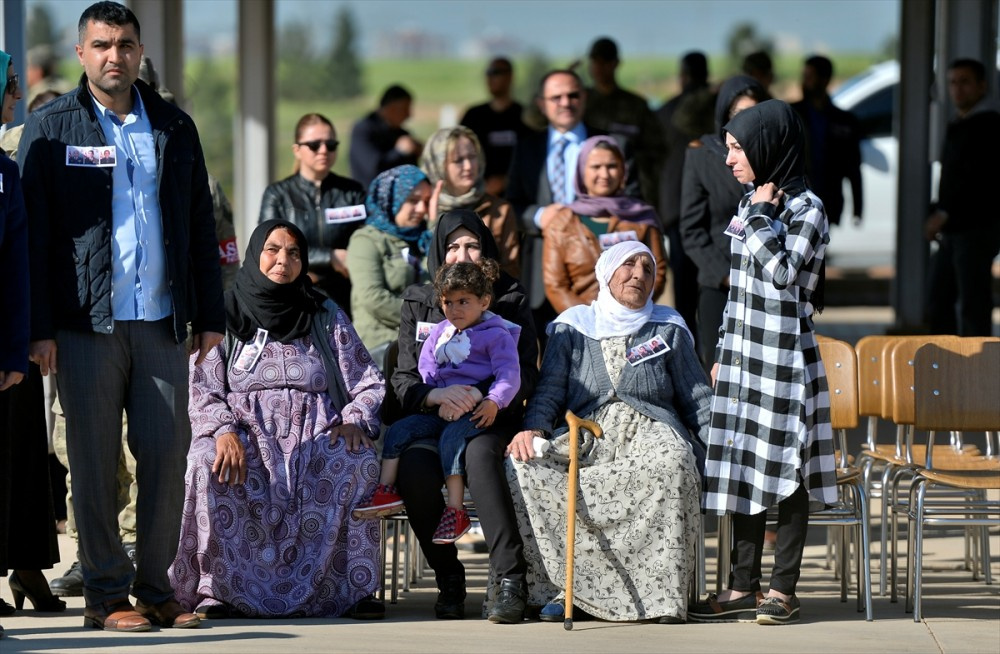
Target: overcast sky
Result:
[563, 28]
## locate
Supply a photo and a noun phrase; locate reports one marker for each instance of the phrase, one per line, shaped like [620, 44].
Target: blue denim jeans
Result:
[452, 437]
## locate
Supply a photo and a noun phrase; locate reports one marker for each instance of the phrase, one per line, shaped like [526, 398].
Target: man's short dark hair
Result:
[557, 71]
[756, 62]
[394, 93]
[695, 64]
[974, 66]
[604, 49]
[500, 63]
[822, 66]
[109, 13]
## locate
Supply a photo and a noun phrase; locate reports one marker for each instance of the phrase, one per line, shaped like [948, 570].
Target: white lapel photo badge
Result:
[735, 228]
[647, 350]
[251, 352]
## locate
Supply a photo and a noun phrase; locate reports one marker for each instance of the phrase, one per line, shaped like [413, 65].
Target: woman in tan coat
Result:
[600, 217]
[454, 157]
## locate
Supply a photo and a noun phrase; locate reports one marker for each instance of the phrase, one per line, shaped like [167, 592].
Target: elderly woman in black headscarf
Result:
[461, 235]
[770, 441]
[283, 414]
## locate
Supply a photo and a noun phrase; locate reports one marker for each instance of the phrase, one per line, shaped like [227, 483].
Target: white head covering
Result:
[606, 317]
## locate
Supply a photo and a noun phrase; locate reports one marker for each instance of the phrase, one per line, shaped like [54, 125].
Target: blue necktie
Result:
[559, 171]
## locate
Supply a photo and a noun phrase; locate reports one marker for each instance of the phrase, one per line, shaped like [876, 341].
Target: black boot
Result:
[450, 603]
[70, 584]
[510, 602]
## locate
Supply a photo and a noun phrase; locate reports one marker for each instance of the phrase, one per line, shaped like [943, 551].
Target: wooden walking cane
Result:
[574, 469]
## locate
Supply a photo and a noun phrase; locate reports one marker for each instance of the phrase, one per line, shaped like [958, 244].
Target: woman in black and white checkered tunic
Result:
[770, 441]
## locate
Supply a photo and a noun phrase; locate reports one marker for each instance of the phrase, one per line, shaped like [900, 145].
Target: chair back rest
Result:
[869, 356]
[900, 399]
[841, 366]
[957, 385]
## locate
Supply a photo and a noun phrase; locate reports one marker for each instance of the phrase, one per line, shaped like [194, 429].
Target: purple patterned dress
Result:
[284, 544]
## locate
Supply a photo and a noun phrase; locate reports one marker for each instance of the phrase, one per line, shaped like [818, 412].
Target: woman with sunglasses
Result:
[327, 208]
[27, 524]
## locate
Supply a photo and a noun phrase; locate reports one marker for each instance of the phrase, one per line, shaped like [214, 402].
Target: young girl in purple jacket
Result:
[469, 346]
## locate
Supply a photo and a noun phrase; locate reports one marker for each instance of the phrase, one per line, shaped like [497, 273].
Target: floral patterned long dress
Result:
[283, 544]
[637, 514]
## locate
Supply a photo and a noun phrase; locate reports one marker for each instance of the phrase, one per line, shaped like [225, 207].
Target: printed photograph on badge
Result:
[423, 331]
[350, 214]
[90, 157]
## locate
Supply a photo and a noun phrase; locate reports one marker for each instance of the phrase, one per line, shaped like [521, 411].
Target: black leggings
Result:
[748, 543]
[419, 482]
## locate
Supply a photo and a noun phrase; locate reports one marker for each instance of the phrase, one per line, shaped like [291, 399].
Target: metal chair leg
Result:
[381, 586]
[395, 565]
[864, 549]
[725, 547]
[406, 554]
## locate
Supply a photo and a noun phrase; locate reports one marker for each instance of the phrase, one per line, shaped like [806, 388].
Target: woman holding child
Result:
[461, 236]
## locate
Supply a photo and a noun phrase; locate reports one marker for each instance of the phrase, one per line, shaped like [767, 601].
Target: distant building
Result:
[412, 43]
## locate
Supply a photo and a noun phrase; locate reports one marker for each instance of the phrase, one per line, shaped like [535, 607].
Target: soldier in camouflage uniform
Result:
[626, 116]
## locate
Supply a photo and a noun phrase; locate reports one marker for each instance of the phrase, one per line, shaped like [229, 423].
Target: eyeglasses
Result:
[572, 97]
[12, 85]
[496, 72]
[331, 144]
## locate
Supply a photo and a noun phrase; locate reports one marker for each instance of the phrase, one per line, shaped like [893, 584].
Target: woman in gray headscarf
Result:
[454, 157]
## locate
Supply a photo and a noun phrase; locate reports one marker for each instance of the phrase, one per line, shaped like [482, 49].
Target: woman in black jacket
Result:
[709, 198]
[324, 205]
[460, 235]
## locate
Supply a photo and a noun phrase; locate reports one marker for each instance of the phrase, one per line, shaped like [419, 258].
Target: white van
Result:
[869, 96]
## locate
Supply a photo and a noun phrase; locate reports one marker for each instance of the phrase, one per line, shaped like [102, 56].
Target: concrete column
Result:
[909, 295]
[162, 26]
[255, 112]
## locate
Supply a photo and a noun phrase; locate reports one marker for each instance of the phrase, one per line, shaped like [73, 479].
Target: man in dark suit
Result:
[833, 141]
[542, 173]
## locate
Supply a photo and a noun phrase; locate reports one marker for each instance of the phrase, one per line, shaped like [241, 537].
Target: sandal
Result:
[774, 610]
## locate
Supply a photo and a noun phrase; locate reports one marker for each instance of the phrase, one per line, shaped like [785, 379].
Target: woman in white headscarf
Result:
[630, 366]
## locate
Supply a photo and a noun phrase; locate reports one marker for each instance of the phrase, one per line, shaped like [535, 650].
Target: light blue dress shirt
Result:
[139, 289]
[575, 138]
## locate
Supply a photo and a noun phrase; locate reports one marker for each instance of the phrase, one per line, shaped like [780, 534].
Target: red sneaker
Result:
[385, 501]
[454, 523]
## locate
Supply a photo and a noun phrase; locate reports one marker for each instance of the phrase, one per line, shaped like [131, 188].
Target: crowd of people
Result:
[455, 298]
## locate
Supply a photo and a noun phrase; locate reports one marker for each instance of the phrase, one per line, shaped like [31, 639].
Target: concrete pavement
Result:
[961, 616]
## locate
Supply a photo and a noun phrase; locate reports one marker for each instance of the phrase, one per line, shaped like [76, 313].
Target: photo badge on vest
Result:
[647, 350]
[338, 215]
[735, 228]
[251, 352]
[423, 331]
[614, 238]
[85, 156]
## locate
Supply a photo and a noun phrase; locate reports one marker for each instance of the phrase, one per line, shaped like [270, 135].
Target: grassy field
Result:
[441, 88]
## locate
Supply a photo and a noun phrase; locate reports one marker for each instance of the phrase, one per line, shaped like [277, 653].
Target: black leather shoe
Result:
[367, 608]
[511, 599]
[70, 584]
[450, 603]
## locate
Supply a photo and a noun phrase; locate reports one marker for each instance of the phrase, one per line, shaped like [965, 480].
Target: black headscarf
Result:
[284, 310]
[772, 137]
[449, 222]
[731, 89]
